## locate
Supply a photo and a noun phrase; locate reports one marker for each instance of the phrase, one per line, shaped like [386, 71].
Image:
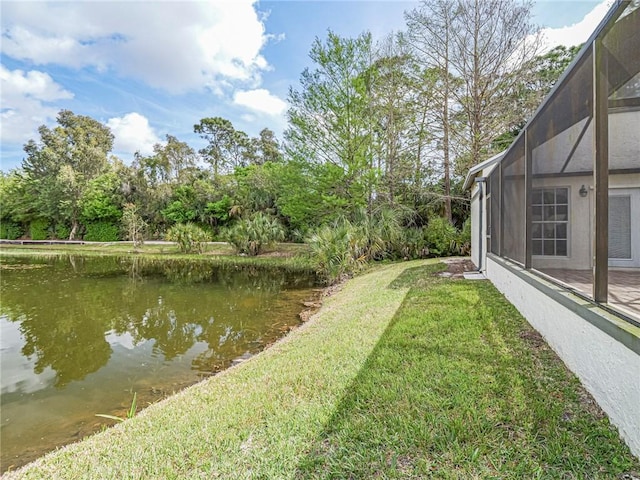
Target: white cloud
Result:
[176, 46]
[260, 100]
[26, 98]
[578, 32]
[132, 134]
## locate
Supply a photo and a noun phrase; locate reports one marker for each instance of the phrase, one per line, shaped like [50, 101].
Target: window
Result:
[550, 221]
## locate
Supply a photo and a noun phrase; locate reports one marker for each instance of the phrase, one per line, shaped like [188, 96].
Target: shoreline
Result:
[269, 371]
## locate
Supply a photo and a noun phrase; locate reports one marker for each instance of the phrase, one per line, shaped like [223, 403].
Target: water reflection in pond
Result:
[80, 335]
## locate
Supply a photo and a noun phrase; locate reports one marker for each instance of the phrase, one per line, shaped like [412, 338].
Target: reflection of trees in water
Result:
[61, 320]
[72, 347]
[72, 305]
[225, 342]
[173, 336]
[188, 272]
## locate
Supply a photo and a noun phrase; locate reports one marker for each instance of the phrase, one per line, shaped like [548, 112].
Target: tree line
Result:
[380, 135]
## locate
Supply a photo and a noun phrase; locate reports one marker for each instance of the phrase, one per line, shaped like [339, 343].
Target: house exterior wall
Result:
[563, 147]
[629, 180]
[479, 205]
[476, 254]
[607, 368]
[548, 158]
[581, 217]
[624, 148]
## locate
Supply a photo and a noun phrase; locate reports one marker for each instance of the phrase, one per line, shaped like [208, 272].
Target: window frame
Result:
[543, 222]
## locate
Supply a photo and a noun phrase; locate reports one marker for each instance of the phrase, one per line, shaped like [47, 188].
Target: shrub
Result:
[414, 244]
[133, 224]
[378, 233]
[10, 230]
[337, 251]
[178, 212]
[62, 231]
[102, 231]
[441, 237]
[39, 229]
[189, 237]
[463, 242]
[251, 235]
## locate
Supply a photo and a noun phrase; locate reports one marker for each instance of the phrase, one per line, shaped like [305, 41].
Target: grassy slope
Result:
[460, 386]
[255, 420]
[457, 385]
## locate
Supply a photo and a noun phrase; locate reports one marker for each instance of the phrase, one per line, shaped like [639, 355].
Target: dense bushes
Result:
[345, 247]
[62, 231]
[102, 231]
[10, 230]
[414, 244]
[250, 235]
[337, 251]
[441, 237]
[189, 237]
[39, 229]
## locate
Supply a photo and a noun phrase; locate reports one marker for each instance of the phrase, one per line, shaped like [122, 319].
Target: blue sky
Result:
[151, 68]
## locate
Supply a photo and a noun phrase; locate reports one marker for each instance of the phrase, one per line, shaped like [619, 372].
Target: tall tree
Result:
[430, 35]
[330, 116]
[535, 80]
[219, 132]
[241, 150]
[479, 49]
[228, 148]
[268, 147]
[492, 41]
[538, 77]
[400, 95]
[64, 161]
[167, 162]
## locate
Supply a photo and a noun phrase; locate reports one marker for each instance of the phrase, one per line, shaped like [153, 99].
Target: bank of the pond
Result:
[286, 256]
[401, 374]
[255, 420]
[81, 334]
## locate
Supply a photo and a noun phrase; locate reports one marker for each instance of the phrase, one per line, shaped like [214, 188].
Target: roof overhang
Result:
[477, 169]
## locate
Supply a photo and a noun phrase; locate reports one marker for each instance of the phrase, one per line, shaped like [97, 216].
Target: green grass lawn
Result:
[460, 386]
[401, 374]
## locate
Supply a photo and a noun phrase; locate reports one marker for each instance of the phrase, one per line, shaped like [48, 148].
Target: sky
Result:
[156, 67]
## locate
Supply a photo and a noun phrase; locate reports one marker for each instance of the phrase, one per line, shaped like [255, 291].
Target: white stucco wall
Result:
[479, 229]
[580, 215]
[550, 157]
[608, 369]
[628, 180]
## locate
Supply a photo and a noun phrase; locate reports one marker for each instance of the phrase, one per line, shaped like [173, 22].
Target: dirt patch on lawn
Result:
[456, 267]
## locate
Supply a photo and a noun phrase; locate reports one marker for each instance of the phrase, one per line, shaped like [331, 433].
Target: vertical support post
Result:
[501, 210]
[601, 172]
[481, 244]
[528, 185]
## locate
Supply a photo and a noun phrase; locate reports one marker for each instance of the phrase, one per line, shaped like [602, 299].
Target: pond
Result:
[81, 335]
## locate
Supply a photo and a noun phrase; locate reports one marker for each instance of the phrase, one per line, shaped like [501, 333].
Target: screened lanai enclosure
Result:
[564, 200]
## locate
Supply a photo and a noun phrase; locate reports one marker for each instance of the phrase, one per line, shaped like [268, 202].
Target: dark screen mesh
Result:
[622, 49]
[561, 151]
[494, 210]
[514, 196]
[562, 180]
